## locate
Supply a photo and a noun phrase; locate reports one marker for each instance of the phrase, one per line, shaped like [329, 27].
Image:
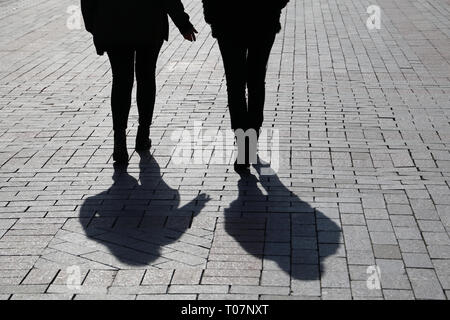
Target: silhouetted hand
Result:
[190, 34]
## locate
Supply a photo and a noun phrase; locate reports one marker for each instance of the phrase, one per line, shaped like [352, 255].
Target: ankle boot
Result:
[120, 154]
[243, 167]
[143, 142]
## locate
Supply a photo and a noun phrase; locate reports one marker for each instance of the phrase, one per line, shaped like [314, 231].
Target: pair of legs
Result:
[125, 63]
[245, 61]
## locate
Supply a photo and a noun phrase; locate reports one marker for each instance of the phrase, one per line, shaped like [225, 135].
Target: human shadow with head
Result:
[136, 220]
[278, 227]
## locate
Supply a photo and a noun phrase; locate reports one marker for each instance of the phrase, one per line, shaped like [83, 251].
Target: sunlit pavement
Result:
[359, 207]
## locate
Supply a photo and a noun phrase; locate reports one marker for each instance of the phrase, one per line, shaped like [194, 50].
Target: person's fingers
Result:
[190, 35]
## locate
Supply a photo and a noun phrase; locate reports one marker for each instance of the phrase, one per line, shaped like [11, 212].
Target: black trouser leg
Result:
[234, 56]
[122, 66]
[146, 58]
[258, 56]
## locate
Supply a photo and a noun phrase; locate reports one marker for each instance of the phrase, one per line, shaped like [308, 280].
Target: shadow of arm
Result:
[196, 205]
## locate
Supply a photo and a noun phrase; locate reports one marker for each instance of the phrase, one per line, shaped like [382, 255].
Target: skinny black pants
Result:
[125, 62]
[245, 61]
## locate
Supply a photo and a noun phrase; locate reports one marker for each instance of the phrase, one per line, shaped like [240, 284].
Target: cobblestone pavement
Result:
[362, 188]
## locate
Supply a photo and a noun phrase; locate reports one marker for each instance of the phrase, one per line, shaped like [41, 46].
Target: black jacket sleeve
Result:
[88, 8]
[175, 9]
[211, 10]
[283, 3]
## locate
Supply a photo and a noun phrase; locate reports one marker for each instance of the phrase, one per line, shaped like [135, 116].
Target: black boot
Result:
[243, 167]
[120, 155]
[143, 142]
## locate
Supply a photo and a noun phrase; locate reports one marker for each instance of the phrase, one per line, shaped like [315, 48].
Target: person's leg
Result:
[258, 57]
[234, 56]
[146, 58]
[122, 66]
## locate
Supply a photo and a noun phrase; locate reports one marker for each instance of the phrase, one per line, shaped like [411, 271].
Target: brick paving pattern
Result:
[363, 183]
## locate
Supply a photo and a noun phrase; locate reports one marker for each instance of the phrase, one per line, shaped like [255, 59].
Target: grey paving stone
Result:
[166, 297]
[361, 290]
[232, 297]
[287, 298]
[99, 278]
[386, 251]
[391, 266]
[275, 278]
[358, 272]
[305, 288]
[417, 246]
[443, 272]
[104, 297]
[439, 252]
[383, 238]
[443, 212]
[417, 260]
[190, 289]
[157, 277]
[230, 281]
[132, 290]
[357, 238]
[128, 277]
[23, 289]
[393, 280]
[363, 179]
[425, 284]
[360, 257]
[187, 276]
[36, 276]
[379, 226]
[398, 294]
[401, 209]
[376, 213]
[408, 233]
[434, 238]
[236, 289]
[336, 294]
[353, 219]
[46, 296]
[84, 289]
[373, 202]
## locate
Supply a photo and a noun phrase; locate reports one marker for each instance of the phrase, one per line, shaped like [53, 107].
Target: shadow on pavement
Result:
[271, 222]
[136, 220]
